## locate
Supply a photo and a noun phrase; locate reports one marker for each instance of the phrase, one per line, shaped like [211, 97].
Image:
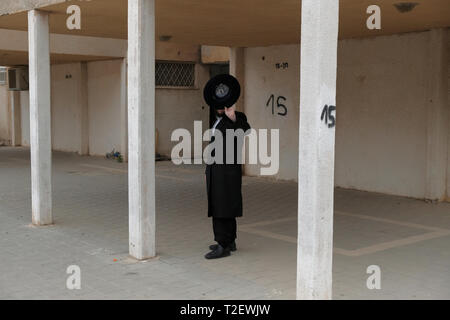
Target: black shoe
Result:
[220, 252]
[232, 246]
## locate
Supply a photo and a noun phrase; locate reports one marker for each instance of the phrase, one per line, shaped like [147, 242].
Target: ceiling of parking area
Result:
[236, 22]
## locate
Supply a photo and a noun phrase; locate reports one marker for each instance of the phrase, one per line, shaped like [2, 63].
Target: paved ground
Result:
[408, 239]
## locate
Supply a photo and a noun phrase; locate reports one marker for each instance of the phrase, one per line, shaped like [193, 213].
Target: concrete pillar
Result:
[237, 69]
[123, 110]
[16, 119]
[83, 99]
[319, 32]
[437, 115]
[40, 120]
[141, 127]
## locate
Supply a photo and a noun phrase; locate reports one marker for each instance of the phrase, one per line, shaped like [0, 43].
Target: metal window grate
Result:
[172, 74]
[3, 75]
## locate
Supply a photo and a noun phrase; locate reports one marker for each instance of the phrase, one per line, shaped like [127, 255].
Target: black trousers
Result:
[224, 230]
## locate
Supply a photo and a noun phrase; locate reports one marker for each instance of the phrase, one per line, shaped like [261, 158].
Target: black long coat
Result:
[224, 181]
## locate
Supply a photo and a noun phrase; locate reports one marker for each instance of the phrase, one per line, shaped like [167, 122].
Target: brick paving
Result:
[409, 239]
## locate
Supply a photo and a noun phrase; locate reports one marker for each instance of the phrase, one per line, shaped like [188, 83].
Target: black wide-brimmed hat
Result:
[222, 91]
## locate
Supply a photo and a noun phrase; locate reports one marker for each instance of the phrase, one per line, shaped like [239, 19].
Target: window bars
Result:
[174, 74]
[3, 75]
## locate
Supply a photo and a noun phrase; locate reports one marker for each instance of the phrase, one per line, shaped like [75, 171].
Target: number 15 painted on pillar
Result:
[328, 116]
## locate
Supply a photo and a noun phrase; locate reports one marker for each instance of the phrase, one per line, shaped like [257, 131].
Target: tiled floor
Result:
[408, 239]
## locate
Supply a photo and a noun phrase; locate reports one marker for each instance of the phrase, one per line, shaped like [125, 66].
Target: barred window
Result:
[3, 78]
[174, 74]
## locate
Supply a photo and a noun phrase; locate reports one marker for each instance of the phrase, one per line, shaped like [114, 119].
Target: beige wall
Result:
[25, 117]
[448, 84]
[105, 101]
[66, 111]
[263, 79]
[381, 136]
[175, 108]
[382, 101]
[215, 54]
[5, 134]
[179, 108]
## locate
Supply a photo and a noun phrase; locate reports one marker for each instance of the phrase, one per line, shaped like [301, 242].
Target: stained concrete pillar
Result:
[237, 69]
[40, 120]
[319, 32]
[437, 115]
[16, 119]
[123, 110]
[141, 127]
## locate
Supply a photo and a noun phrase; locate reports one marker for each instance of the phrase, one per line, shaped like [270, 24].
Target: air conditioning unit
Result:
[18, 79]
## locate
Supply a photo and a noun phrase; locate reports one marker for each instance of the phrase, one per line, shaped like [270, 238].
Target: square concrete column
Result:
[16, 119]
[40, 120]
[123, 110]
[141, 127]
[84, 107]
[237, 69]
[319, 32]
[437, 115]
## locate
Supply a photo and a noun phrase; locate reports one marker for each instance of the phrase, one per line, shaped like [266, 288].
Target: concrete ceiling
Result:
[234, 22]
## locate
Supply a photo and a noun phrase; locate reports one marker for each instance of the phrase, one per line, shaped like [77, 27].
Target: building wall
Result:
[179, 108]
[66, 111]
[105, 102]
[5, 135]
[381, 128]
[215, 54]
[264, 80]
[25, 117]
[448, 85]
[107, 129]
[381, 134]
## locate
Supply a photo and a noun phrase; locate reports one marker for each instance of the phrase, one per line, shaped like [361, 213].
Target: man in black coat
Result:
[223, 182]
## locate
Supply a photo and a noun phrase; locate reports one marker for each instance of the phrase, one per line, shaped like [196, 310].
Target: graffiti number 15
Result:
[280, 105]
[328, 116]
